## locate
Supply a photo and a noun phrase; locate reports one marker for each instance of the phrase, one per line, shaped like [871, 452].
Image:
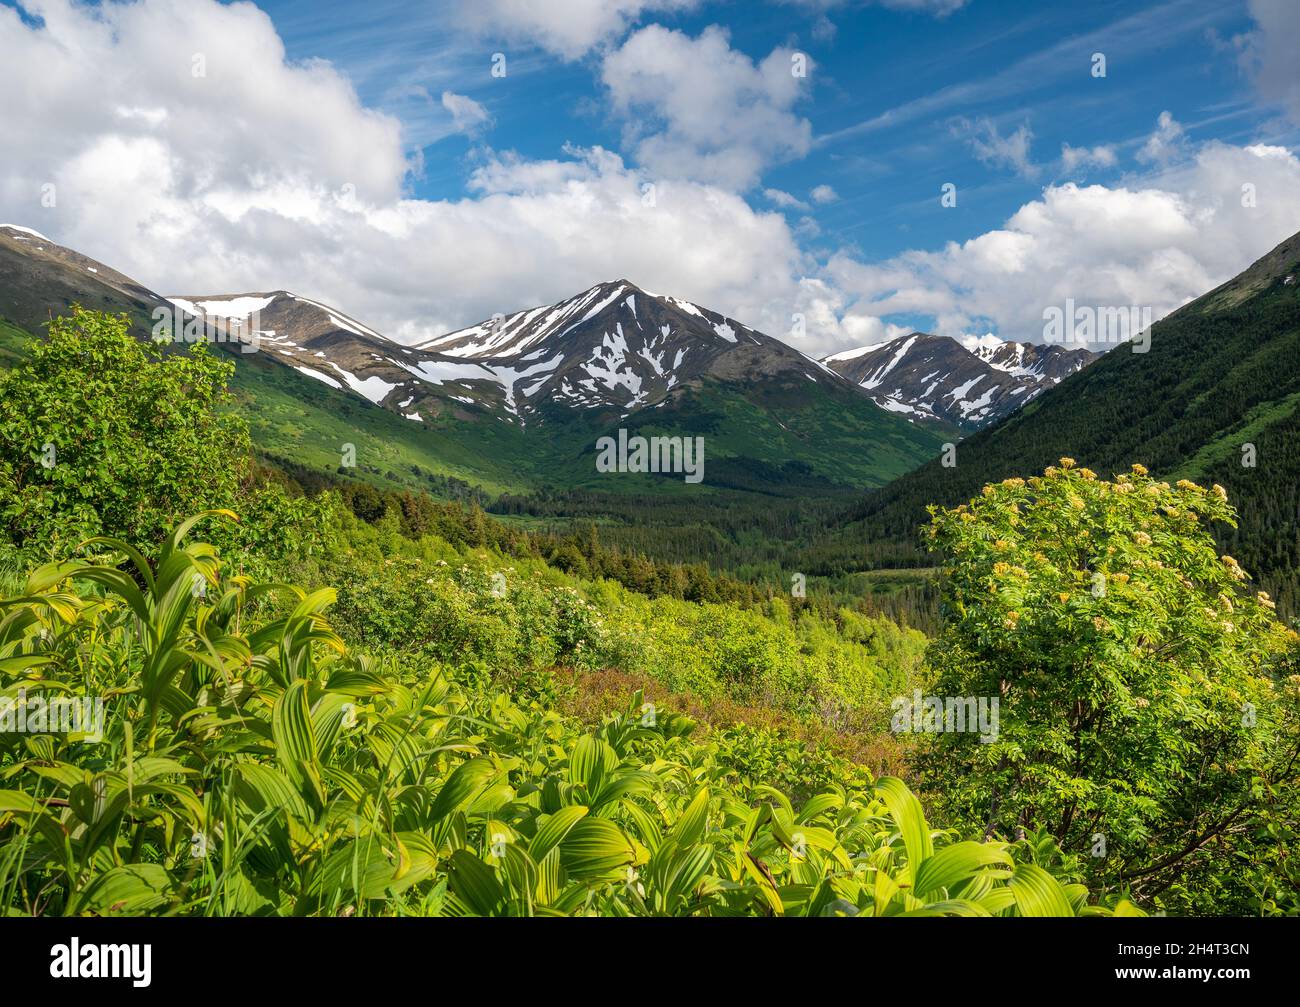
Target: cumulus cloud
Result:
[1158, 243]
[266, 174]
[569, 29]
[785, 200]
[1074, 158]
[698, 109]
[184, 76]
[469, 116]
[1167, 143]
[823, 194]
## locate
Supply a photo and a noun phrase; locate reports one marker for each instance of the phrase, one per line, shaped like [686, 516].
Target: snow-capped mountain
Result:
[40, 278]
[970, 384]
[616, 346]
[612, 347]
[324, 343]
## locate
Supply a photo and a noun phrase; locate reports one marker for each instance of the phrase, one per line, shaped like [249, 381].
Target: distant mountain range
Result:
[969, 384]
[612, 348]
[516, 402]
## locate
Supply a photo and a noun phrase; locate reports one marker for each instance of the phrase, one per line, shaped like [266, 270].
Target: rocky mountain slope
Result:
[970, 385]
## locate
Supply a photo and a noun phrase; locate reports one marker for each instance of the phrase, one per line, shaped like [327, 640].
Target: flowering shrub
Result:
[1148, 713]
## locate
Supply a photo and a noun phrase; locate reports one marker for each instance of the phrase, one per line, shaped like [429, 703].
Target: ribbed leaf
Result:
[291, 727]
[957, 863]
[466, 781]
[690, 826]
[475, 883]
[1037, 893]
[552, 831]
[594, 847]
[906, 812]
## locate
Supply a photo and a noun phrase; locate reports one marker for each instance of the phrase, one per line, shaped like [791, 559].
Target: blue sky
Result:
[895, 98]
[365, 155]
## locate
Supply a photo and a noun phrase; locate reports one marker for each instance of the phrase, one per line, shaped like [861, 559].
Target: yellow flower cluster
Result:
[1234, 569]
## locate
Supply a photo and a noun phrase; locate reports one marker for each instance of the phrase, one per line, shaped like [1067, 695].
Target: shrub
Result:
[1147, 717]
[102, 434]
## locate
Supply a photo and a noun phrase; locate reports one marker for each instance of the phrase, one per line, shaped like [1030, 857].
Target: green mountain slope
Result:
[779, 427]
[1222, 372]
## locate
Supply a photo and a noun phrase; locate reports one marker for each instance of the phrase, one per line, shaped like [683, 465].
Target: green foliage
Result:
[505, 618]
[1148, 702]
[495, 621]
[134, 436]
[260, 768]
[137, 436]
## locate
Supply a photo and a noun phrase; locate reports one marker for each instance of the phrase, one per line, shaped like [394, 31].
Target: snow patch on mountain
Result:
[26, 230]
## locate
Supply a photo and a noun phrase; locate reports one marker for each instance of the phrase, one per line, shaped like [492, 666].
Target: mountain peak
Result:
[970, 382]
[282, 313]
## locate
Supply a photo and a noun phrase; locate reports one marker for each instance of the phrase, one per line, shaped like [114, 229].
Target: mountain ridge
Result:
[621, 357]
[930, 378]
[1216, 398]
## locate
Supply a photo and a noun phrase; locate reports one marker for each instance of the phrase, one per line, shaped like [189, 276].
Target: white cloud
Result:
[1074, 158]
[785, 200]
[1160, 242]
[469, 116]
[823, 194]
[823, 29]
[996, 150]
[1166, 144]
[939, 8]
[696, 108]
[266, 175]
[128, 71]
[569, 29]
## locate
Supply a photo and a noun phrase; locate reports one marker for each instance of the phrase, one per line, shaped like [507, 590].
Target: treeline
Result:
[313, 481]
[589, 550]
[580, 552]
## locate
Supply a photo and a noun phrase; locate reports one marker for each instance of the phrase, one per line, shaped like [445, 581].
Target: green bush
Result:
[102, 434]
[1148, 699]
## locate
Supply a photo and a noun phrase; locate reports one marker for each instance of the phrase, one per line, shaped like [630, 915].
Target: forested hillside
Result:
[1215, 399]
